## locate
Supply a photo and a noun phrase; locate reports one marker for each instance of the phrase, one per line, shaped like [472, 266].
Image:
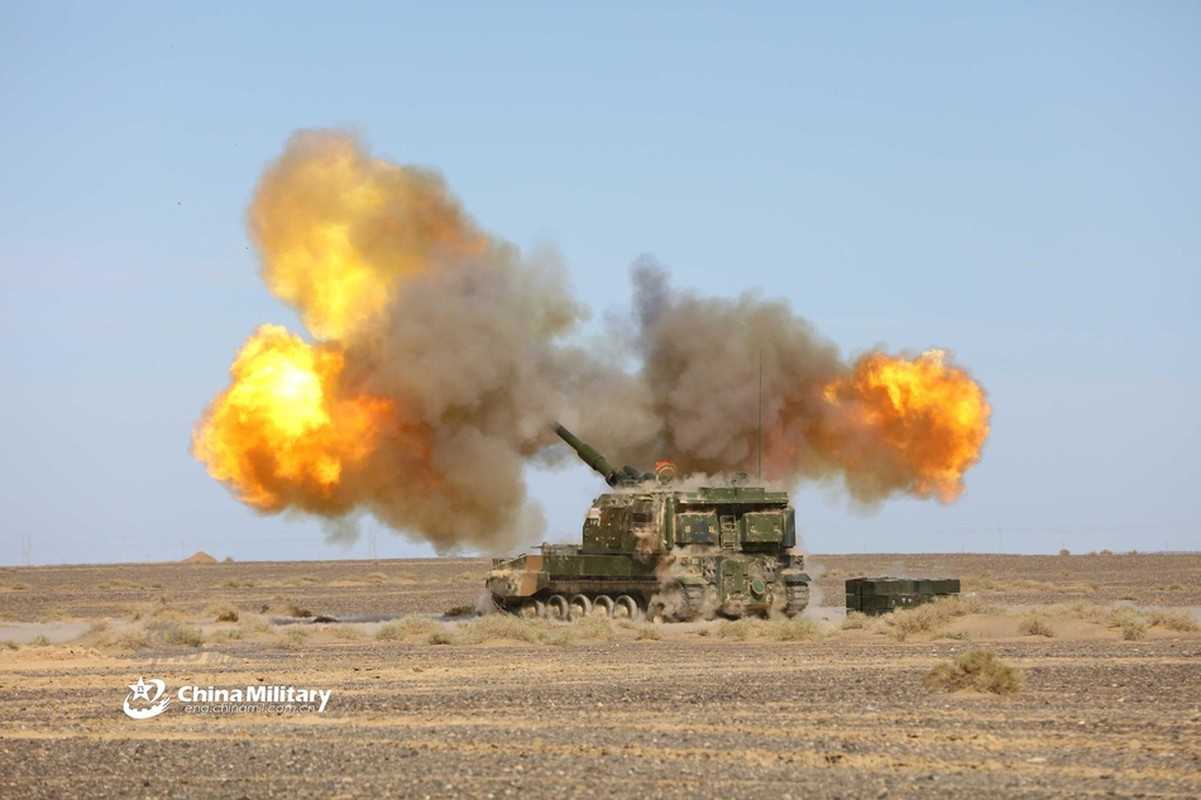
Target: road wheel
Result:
[556, 608]
[532, 609]
[580, 607]
[626, 607]
[603, 606]
[694, 602]
[798, 598]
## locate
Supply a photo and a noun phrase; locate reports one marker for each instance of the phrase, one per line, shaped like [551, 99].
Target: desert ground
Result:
[429, 700]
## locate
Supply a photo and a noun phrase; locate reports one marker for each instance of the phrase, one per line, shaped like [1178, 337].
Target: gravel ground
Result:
[655, 711]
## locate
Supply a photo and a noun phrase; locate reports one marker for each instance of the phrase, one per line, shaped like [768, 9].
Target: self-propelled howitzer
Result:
[655, 547]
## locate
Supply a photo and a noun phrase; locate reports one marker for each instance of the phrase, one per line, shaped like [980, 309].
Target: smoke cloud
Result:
[441, 355]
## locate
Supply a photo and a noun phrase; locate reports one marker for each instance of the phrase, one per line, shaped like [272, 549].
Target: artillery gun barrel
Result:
[589, 455]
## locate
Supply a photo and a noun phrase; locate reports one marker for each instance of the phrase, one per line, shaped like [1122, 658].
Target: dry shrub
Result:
[1081, 610]
[227, 634]
[258, 625]
[495, 627]
[376, 577]
[133, 638]
[299, 580]
[794, 630]
[856, 620]
[174, 634]
[297, 636]
[1034, 625]
[934, 615]
[223, 614]
[977, 670]
[593, 628]
[648, 632]
[1130, 621]
[739, 629]
[121, 583]
[39, 641]
[348, 632]
[1180, 621]
[959, 635]
[411, 625]
[9, 644]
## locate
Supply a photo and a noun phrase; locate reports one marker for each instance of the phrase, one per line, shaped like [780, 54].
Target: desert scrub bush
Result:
[410, 625]
[977, 670]
[1129, 621]
[794, 630]
[1180, 621]
[740, 629]
[495, 627]
[132, 638]
[440, 637]
[240, 583]
[18, 587]
[121, 583]
[9, 644]
[1090, 612]
[347, 632]
[1034, 625]
[932, 616]
[376, 577]
[299, 580]
[258, 625]
[959, 635]
[648, 632]
[98, 626]
[170, 633]
[227, 635]
[223, 614]
[296, 635]
[39, 641]
[593, 629]
[856, 620]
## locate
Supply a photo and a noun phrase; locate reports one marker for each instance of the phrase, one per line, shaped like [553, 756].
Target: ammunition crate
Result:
[874, 596]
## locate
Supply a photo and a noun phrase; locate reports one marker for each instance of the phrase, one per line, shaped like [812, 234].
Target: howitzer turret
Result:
[626, 476]
[656, 549]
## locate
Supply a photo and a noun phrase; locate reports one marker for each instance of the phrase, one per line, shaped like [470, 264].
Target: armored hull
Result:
[666, 553]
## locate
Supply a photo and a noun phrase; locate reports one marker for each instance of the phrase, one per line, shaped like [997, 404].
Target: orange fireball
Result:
[281, 433]
[929, 419]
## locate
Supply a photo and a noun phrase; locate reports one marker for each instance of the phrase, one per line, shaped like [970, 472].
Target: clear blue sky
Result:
[1018, 182]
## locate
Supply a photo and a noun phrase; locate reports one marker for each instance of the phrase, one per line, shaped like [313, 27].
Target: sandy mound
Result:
[200, 557]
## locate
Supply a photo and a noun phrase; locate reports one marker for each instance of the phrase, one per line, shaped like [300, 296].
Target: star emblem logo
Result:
[140, 690]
